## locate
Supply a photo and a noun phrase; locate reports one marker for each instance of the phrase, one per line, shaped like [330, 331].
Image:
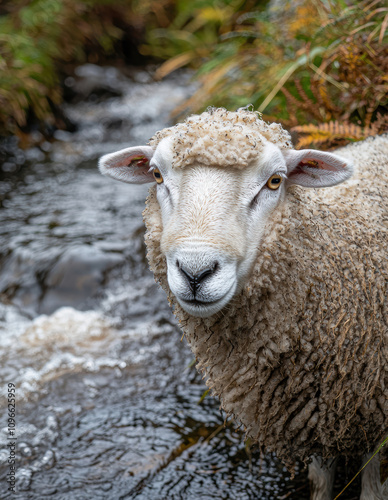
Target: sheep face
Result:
[214, 216]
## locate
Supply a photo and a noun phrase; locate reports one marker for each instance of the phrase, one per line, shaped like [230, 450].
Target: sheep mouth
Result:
[204, 309]
[200, 308]
[196, 302]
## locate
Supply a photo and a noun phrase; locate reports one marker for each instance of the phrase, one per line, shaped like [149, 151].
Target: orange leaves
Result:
[331, 134]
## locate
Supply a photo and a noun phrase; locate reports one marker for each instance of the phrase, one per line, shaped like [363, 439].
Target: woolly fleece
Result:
[221, 138]
[300, 356]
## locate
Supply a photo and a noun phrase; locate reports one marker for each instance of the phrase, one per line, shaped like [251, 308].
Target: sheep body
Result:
[299, 356]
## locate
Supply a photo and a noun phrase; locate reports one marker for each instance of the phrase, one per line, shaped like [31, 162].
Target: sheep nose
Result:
[195, 280]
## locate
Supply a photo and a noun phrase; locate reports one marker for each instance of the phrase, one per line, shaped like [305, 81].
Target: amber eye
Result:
[274, 181]
[157, 175]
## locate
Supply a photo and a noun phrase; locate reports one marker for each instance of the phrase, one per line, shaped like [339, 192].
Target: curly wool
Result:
[221, 138]
[300, 355]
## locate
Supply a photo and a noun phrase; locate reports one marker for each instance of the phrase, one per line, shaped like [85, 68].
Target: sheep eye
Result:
[157, 175]
[274, 181]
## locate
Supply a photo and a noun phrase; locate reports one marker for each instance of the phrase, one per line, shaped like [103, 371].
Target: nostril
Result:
[195, 280]
[206, 272]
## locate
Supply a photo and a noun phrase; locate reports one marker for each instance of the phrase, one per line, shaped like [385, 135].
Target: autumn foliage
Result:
[320, 68]
[301, 63]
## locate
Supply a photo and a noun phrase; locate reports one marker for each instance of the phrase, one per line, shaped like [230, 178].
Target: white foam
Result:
[34, 352]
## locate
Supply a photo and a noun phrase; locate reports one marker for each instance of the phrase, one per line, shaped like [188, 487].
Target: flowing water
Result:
[108, 403]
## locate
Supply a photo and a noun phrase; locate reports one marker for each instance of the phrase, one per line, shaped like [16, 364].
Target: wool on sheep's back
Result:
[300, 357]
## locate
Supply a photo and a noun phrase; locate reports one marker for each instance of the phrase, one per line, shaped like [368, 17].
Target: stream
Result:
[108, 403]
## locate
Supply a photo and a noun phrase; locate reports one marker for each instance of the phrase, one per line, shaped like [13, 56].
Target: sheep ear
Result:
[310, 168]
[128, 165]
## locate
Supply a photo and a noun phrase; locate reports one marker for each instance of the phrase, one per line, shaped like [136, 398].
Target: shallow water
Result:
[108, 405]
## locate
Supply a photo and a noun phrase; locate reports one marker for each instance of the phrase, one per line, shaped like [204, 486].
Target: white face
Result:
[213, 220]
[214, 217]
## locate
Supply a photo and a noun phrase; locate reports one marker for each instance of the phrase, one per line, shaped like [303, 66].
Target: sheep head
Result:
[220, 177]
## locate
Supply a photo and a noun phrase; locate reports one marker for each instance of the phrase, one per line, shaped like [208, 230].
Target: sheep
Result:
[280, 290]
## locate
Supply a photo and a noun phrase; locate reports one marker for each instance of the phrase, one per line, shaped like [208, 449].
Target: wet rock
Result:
[18, 280]
[76, 277]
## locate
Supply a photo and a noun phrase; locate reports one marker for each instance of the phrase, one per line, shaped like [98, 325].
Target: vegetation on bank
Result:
[40, 43]
[320, 67]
